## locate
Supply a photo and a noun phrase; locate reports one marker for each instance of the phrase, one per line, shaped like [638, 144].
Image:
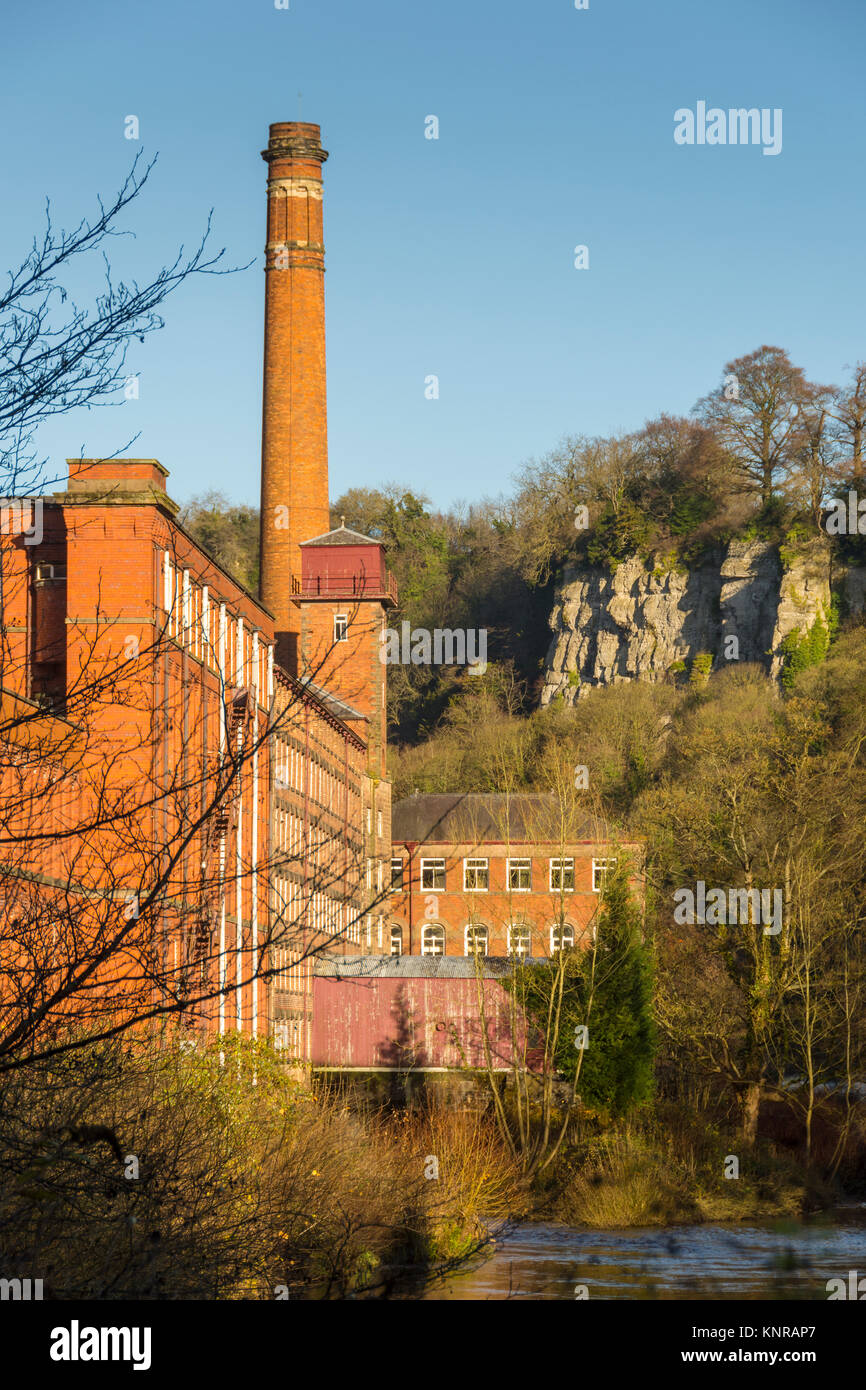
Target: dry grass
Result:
[477, 1185]
[247, 1184]
[670, 1168]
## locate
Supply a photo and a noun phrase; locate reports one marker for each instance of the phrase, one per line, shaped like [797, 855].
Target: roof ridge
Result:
[341, 535]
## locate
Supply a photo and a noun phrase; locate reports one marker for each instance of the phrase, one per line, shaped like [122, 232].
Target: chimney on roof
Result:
[118, 480]
[294, 483]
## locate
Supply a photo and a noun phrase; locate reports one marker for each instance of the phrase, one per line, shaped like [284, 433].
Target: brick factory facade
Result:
[206, 808]
[194, 784]
[500, 875]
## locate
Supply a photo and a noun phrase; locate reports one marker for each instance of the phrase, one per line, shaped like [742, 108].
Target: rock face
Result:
[645, 621]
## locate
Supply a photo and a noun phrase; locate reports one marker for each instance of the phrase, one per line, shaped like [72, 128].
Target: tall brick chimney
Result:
[294, 505]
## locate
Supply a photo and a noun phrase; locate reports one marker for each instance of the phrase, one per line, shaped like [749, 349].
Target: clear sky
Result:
[455, 256]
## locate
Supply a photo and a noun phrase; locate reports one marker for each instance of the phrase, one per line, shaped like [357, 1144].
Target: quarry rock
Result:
[648, 618]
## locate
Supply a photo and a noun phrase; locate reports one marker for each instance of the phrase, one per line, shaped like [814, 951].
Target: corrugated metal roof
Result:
[405, 967]
[476, 817]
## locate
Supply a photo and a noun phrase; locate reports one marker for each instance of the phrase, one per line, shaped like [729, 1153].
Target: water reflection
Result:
[781, 1260]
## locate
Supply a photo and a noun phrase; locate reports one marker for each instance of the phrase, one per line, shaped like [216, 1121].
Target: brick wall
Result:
[159, 756]
[505, 917]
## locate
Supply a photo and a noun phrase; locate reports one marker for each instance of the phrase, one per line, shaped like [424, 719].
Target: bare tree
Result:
[848, 411]
[123, 857]
[756, 413]
[816, 453]
[55, 355]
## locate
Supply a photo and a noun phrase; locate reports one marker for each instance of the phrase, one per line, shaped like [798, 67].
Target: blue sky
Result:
[453, 257]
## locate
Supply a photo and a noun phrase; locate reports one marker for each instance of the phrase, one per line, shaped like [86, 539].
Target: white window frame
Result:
[568, 931]
[518, 866]
[476, 866]
[471, 929]
[427, 948]
[398, 888]
[395, 933]
[525, 933]
[562, 866]
[600, 867]
[341, 627]
[433, 867]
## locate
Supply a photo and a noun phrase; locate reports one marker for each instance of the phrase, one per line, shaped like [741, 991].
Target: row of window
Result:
[317, 911]
[290, 971]
[476, 939]
[197, 620]
[294, 772]
[518, 875]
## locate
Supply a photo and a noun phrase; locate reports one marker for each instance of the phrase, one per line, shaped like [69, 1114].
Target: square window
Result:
[433, 874]
[520, 875]
[600, 870]
[562, 875]
[476, 876]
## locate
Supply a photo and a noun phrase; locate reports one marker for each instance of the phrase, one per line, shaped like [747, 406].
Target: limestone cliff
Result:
[647, 620]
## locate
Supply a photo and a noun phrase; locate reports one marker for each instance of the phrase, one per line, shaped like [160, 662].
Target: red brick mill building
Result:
[195, 803]
[495, 875]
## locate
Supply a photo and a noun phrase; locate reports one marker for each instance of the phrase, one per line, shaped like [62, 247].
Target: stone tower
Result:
[294, 497]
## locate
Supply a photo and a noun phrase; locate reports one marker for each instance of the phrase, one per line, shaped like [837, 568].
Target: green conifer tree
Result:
[607, 989]
[617, 1070]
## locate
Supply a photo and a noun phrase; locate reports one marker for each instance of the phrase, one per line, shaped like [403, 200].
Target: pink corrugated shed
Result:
[409, 1022]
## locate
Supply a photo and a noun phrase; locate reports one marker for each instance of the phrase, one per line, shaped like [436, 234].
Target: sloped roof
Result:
[340, 708]
[342, 535]
[409, 967]
[490, 816]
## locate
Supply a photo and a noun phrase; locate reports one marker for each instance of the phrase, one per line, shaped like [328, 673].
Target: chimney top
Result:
[84, 472]
[294, 140]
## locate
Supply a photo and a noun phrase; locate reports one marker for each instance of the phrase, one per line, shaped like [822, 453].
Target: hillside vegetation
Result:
[728, 779]
[762, 455]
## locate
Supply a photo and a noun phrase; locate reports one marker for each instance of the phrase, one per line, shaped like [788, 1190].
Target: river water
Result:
[773, 1260]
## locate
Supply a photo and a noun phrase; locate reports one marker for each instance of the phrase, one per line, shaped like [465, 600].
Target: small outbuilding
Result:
[415, 1013]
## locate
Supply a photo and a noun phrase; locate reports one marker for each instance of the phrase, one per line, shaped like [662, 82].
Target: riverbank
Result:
[667, 1168]
[214, 1175]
